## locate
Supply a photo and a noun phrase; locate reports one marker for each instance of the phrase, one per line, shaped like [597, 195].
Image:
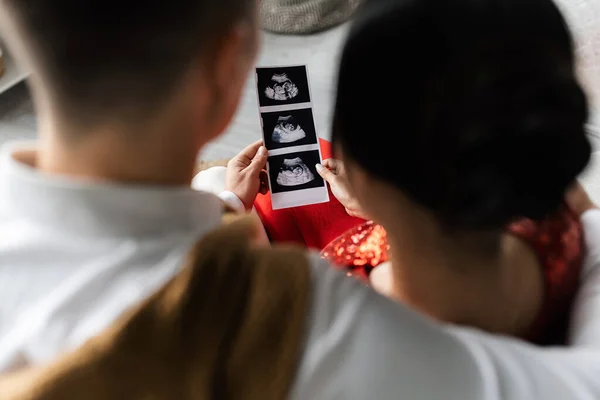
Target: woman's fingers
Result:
[326, 173]
[331, 164]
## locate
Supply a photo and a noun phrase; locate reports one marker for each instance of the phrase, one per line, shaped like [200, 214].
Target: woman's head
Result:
[469, 109]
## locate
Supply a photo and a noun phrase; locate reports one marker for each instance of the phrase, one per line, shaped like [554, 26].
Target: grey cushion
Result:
[304, 16]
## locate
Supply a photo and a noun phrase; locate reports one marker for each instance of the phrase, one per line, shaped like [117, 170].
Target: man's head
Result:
[108, 62]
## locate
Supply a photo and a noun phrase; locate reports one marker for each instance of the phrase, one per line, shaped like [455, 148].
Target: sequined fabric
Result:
[281, 88]
[359, 250]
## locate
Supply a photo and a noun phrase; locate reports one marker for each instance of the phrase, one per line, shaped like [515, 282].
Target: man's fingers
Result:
[264, 182]
[326, 173]
[246, 156]
[264, 176]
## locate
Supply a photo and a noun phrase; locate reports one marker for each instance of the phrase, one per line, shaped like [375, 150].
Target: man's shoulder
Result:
[54, 281]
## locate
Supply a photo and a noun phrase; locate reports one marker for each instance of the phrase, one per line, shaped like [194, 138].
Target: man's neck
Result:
[135, 158]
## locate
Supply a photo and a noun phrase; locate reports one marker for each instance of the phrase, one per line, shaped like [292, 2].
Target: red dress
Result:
[558, 243]
[360, 246]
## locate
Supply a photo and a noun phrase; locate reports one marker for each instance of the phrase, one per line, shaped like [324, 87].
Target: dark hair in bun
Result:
[470, 107]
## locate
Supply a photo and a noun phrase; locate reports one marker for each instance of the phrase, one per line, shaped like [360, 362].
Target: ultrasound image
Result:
[287, 130]
[294, 172]
[281, 88]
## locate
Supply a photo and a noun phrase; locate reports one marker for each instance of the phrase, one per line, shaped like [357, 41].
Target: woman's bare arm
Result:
[585, 322]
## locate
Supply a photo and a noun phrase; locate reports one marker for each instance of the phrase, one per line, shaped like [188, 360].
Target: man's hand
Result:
[333, 172]
[246, 176]
[578, 200]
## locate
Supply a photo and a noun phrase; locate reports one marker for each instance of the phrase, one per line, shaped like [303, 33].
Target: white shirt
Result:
[76, 254]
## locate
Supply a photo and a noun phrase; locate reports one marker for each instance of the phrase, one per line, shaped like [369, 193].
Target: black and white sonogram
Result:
[288, 128]
[294, 171]
[282, 85]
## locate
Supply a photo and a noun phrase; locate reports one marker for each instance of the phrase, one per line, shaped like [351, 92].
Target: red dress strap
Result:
[558, 243]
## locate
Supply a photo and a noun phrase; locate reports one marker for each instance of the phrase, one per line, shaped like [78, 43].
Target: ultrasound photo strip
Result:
[287, 130]
[294, 172]
[290, 136]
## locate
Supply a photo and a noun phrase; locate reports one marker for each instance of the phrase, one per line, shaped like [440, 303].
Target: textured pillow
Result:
[304, 16]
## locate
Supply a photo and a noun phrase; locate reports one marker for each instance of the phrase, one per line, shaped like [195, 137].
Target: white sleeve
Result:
[585, 322]
[233, 201]
[360, 345]
[212, 180]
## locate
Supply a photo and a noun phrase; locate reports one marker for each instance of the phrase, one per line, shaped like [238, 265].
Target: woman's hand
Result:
[578, 200]
[334, 173]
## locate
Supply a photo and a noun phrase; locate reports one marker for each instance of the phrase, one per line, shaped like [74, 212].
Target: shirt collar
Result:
[94, 208]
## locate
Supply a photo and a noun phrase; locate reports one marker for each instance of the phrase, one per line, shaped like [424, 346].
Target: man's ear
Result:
[235, 54]
[233, 58]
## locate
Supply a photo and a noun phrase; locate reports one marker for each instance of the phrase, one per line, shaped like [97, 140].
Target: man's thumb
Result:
[260, 159]
[325, 173]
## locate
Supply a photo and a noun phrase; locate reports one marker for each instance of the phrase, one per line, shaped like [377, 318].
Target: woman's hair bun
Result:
[524, 144]
[555, 148]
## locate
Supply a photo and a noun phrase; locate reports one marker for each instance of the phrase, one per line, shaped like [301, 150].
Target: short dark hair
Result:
[101, 56]
[470, 107]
